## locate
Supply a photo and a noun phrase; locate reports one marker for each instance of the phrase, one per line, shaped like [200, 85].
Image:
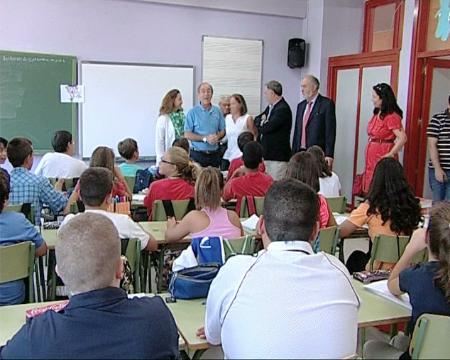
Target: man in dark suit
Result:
[315, 122]
[274, 129]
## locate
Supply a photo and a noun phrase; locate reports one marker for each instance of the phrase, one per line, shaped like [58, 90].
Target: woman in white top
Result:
[237, 122]
[170, 123]
[330, 186]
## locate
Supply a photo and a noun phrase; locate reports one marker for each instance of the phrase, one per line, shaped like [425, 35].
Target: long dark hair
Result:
[439, 243]
[302, 166]
[388, 101]
[318, 154]
[392, 198]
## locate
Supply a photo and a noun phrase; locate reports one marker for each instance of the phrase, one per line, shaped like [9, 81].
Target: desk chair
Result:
[169, 208]
[242, 245]
[387, 248]
[130, 180]
[69, 184]
[251, 205]
[17, 262]
[337, 204]
[26, 208]
[131, 248]
[328, 239]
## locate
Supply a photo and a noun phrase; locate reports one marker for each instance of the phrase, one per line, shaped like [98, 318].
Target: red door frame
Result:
[415, 128]
[360, 61]
[430, 65]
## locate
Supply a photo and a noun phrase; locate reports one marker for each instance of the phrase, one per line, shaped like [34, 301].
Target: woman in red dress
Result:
[385, 130]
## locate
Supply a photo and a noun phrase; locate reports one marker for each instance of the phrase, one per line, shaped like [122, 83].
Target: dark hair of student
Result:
[182, 142]
[252, 155]
[95, 184]
[290, 210]
[303, 166]
[391, 196]
[168, 102]
[103, 156]
[244, 138]
[439, 243]
[61, 141]
[388, 101]
[318, 154]
[3, 141]
[18, 150]
[4, 190]
[127, 148]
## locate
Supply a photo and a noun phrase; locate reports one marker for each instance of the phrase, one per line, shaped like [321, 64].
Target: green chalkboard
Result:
[30, 96]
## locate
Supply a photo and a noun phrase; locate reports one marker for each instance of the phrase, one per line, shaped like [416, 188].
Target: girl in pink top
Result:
[211, 219]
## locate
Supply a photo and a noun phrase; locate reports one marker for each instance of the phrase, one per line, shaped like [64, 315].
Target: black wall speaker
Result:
[296, 53]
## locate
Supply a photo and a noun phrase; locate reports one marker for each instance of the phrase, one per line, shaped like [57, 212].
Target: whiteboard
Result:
[123, 100]
[234, 66]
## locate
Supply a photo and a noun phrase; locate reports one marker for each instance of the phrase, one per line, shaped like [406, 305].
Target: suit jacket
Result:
[321, 127]
[274, 131]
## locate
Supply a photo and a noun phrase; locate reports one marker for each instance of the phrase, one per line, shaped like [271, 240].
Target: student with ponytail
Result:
[427, 284]
[180, 175]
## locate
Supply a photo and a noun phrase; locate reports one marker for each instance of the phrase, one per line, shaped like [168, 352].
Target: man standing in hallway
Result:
[274, 128]
[315, 122]
[439, 148]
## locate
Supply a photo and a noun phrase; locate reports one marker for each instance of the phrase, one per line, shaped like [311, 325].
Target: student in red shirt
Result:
[248, 180]
[243, 139]
[180, 173]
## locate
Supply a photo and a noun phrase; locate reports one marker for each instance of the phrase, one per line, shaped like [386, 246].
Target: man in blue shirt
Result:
[204, 127]
[99, 322]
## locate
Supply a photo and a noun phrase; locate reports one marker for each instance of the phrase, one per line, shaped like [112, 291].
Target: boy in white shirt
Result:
[61, 163]
[95, 191]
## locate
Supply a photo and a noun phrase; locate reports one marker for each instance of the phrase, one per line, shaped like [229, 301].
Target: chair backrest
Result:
[131, 248]
[328, 239]
[26, 208]
[387, 248]
[248, 202]
[337, 204]
[17, 262]
[420, 257]
[130, 182]
[245, 245]
[180, 208]
[430, 339]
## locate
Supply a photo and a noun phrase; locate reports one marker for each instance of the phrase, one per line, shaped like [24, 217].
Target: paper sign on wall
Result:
[72, 93]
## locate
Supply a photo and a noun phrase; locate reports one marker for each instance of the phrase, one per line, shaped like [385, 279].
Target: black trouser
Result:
[211, 158]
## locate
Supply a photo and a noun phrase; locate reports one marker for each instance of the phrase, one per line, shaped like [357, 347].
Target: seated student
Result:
[3, 157]
[104, 157]
[211, 219]
[267, 300]
[243, 139]
[27, 187]
[302, 166]
[61, 163]
[96, 185]
[390, 209]
[248, 180]
[330, 186]
[15, 228]
[180, 178]
[128, 149]
[427, 284]
[182, 142]
[99, 321]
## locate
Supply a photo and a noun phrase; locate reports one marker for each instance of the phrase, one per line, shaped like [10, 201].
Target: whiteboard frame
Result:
[80, 112]
[262, 62]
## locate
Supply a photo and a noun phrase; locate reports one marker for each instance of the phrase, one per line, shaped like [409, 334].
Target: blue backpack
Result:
[142, 180]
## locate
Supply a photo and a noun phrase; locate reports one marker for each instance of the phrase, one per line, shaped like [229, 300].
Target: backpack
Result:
[142, 180]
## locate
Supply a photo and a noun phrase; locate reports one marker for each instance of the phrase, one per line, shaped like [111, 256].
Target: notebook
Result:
[380, 288]
[250, 223]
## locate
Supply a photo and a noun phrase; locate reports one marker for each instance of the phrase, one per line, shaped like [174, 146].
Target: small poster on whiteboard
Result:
[72, 93]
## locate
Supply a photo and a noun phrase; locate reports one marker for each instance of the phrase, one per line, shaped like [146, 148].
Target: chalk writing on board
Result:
[33, 59]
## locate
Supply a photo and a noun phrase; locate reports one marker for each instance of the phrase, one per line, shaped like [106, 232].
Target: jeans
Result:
[206, 159]
[441, 191]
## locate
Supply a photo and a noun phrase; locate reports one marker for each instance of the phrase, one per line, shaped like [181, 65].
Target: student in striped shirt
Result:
[438, 133]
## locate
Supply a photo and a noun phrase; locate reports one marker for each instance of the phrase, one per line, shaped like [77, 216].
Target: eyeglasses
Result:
[167, 162]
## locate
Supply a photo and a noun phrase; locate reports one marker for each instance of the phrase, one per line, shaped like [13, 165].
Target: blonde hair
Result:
[87, 252]
[208, 189]
[185, 167]
[168, 102]
[103, 157]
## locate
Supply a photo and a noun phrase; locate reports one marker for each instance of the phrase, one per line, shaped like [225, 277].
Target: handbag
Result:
[357, 189]
[194, 282]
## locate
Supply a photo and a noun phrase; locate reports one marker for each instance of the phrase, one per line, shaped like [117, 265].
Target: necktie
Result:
[305, 123]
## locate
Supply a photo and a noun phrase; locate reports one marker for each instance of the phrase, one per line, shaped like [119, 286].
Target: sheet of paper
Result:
[380, 288]
[72, 93]
[138, 197]
[250, 223]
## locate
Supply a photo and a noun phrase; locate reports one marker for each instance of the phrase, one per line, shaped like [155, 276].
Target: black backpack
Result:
[142, 180]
